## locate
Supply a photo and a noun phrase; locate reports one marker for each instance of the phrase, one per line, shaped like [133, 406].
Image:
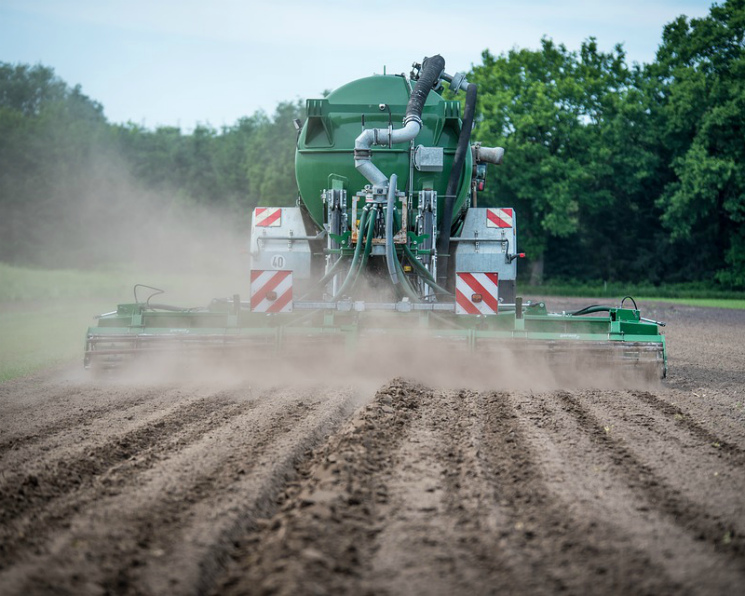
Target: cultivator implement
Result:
[230, 330]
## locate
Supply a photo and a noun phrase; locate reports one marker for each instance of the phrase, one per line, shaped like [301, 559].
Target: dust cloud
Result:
[104, 218]
[379, 357]
[161, 236]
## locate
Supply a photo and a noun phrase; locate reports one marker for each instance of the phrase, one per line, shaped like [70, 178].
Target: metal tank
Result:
[324, 158]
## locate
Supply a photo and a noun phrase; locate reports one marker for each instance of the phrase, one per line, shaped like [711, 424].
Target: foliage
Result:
[78, 191]
[699, 107]
[578, 160]
[642, 290]
[625, 173]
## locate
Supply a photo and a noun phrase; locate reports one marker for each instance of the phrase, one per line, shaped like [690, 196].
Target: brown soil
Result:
[237, 488]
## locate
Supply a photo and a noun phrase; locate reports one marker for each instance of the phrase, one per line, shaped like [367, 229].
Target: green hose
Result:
[325, 279]
[368, 248]
[423, 271]
[355, 266]
[408, 290]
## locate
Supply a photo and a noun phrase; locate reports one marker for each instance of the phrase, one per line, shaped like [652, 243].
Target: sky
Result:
[188, 62]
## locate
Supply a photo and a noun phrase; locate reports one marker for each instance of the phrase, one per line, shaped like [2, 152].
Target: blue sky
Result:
[181, 62]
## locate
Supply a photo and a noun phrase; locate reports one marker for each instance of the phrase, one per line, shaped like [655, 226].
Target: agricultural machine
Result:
[386, 241]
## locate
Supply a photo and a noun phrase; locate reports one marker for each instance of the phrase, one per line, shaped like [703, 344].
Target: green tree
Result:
[564, 119]
[699, 110]
[48, 134]
[270, 157]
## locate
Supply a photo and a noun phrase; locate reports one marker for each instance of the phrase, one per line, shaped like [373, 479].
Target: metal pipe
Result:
[360, 306]
[370, 171]
[431, 70]
[325, 279]
[265, 237]
[380, 136]
[477, 239]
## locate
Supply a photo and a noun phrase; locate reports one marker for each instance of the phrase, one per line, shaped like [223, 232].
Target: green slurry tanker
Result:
[386, 242]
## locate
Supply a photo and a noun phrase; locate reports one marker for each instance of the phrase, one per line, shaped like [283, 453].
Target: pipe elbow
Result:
[371, 172]
[407, 133]
[365, 140]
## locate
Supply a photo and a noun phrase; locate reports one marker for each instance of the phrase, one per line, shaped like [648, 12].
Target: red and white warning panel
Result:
[476, 293]
[271, 291]
[499, 217]
[268, 217]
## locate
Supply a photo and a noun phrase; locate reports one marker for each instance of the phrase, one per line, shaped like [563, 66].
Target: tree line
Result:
[618, 172]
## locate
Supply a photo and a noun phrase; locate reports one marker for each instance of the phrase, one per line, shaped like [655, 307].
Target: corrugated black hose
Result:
[464, 145]
[431, 70]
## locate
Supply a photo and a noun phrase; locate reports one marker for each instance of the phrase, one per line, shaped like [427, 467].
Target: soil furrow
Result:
[679, 452]
[256, 496]
[90, 432]
[733, 452]
[324, 535]
[172, 525]
[438, 519]
[583, 481]
[44, 429]
[102, 471]
[545, 529]
[171, 509]
[64, 475]
[481, 520]
[702, 524]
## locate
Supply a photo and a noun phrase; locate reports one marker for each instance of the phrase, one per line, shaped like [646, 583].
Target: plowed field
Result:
[404, 487]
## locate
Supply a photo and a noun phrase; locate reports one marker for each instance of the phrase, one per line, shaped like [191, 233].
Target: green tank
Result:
[324, 157]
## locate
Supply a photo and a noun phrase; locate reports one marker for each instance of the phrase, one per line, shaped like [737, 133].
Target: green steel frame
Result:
[136, 329]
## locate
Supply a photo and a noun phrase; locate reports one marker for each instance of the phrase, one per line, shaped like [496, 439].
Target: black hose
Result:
[431, 70]
[588, 310]
[464, 140]
[625, 298]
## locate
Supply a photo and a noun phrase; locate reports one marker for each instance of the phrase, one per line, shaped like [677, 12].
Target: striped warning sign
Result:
[499, 218]
[271, 291]
[268, 217]
[476, 293]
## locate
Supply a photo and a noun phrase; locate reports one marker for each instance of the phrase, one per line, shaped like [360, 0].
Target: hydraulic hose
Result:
[390, 249]
[353, 268]
[588, 310]
[424, 272]
[368, 247]
[464, 139]
[421, 269]
[405, 286]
